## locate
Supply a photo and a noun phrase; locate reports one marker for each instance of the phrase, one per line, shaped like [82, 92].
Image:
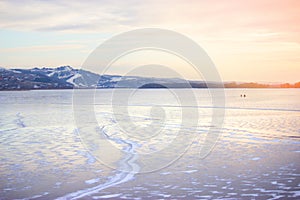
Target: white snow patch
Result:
[71, 80]
[165, 173]
[107, 196]
[16, 71]
[190, 171]
[91, 181]
[249, 195]
[51, 74]
[115, 79]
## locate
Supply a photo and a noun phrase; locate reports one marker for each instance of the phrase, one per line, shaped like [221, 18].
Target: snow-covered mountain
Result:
[66, 77]
[75, 77]
[11, 79]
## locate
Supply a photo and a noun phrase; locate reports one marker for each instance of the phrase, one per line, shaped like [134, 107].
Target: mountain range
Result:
[66, 77]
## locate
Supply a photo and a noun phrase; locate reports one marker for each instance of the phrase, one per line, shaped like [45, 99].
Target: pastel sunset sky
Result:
[256, 40]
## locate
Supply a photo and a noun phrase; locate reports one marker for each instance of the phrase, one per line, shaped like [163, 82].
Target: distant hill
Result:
[66, 77]
[260, 85]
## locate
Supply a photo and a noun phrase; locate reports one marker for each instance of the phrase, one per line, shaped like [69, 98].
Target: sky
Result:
[255, 40]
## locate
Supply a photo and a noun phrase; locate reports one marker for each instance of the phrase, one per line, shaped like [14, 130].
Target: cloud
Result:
[40, 48]
[65, 15]
[211, 18]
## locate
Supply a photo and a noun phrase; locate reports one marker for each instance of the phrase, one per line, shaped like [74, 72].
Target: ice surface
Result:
[257, 155]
